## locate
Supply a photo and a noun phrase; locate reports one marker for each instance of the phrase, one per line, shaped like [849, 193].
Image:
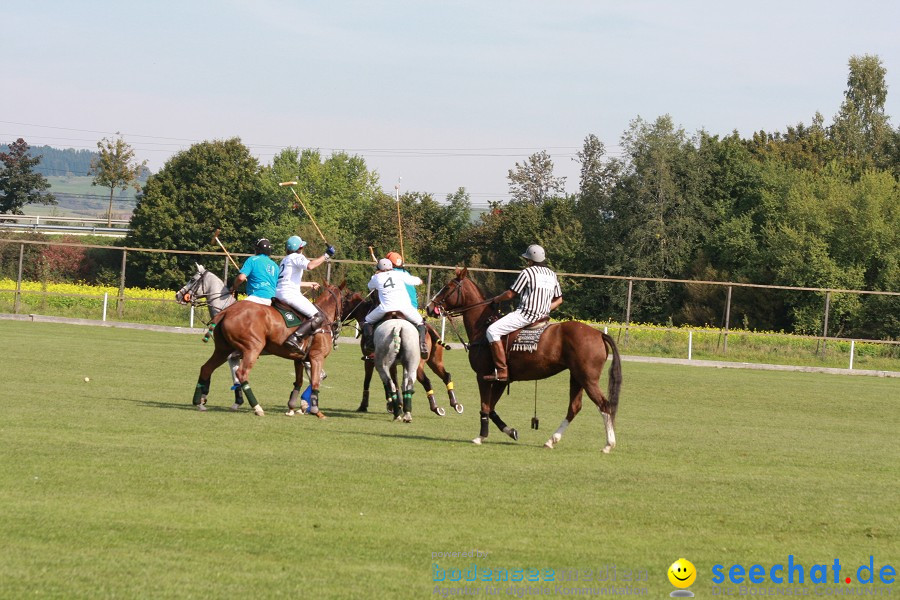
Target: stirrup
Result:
[496, 377]
[294, 342]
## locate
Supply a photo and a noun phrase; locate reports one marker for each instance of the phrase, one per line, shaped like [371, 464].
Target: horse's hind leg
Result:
[575, 393]
[219, 356]
[367, 379]
[234, 361]
[243, 371]
[299, 367]
[596, 394]
[436, 363]
[422, 378]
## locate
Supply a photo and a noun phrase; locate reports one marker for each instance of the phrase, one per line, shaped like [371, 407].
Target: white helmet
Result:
[385, 265]
[535, 253]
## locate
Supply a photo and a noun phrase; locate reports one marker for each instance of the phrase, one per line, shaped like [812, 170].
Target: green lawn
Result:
[117, 487]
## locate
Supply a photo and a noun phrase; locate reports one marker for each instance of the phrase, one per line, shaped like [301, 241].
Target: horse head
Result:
[331, 300]
[458, 293]
[356, 306]
[192, 289]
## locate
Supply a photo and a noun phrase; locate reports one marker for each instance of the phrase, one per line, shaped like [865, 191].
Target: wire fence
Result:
[31, 287]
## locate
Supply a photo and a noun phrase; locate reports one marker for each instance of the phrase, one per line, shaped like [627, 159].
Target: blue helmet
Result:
[294, 243]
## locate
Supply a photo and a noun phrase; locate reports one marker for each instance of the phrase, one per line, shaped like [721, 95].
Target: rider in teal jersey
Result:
[261, 274]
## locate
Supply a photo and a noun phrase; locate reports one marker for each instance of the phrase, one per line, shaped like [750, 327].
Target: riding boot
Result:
[368, 338]
[306, 328]
[423, 342]
[500, 371]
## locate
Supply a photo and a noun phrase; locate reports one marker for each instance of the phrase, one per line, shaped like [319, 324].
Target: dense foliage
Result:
[816, 205]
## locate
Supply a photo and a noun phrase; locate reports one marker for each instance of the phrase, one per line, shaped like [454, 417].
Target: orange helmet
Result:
[395, 259]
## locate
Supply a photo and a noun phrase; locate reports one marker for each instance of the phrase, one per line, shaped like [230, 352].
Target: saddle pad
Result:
[527, 340]
[291, 318]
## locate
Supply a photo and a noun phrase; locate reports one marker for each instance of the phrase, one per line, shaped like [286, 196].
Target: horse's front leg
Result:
[293, 404]
[234, 361]
[490, 395]
[369, 366]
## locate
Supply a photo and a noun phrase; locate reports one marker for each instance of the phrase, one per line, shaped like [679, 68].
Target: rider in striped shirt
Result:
[539, 293]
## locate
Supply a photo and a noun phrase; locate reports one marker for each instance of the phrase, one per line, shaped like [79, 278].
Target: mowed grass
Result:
[118, 487]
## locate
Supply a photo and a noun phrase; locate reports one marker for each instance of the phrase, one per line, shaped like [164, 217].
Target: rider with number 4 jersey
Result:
[393, 297]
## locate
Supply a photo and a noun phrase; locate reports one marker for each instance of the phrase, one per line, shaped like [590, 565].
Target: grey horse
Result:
[397, 341]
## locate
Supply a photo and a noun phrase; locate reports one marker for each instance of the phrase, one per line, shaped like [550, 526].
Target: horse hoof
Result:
[438, 411]
[258, 411]
[321, 415]
[477, 441]
[362, 408]
[549, 444]
[407, 417]
[235, 407]
[459, 408]
[290, 413]
[607, 448]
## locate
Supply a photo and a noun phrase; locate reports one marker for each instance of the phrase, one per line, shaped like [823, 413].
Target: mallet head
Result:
[286, 183]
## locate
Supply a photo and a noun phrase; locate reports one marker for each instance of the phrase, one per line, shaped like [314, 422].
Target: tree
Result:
[19, 184]
[533, 181]
[861, 129]
[115, 167]
[210, 185]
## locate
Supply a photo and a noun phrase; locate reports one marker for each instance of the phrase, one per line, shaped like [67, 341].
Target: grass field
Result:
[117, 487]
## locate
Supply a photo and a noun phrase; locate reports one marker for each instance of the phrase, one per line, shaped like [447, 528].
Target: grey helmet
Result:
[535, 253]
[385, 265]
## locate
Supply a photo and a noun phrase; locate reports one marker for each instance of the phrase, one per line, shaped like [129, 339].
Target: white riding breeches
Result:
[411, 314]
[298, 302]
[258, 300]
[507, 324]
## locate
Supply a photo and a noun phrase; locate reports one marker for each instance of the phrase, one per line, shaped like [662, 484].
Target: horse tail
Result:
[436, 339]
[615, 374]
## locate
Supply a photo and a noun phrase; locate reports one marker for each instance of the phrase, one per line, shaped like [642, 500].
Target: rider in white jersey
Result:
[393, 297]
[290, 287]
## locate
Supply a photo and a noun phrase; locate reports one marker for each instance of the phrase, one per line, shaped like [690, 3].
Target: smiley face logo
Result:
[682, 573]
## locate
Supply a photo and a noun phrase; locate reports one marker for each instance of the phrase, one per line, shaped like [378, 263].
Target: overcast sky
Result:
[442, 94]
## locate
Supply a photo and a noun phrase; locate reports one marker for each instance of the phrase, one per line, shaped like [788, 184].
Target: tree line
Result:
[815, 205]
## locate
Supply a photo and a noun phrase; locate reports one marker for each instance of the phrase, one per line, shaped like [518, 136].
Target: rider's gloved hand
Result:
[329, 250]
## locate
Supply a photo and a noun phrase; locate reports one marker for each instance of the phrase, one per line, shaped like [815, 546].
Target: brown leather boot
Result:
[499, 354]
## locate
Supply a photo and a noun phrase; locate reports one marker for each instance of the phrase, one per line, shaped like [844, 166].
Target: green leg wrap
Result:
[407, 401]
[201, 391]
[251, 397]
[395, 404]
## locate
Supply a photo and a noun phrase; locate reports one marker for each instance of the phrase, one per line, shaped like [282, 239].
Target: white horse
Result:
[397, 340]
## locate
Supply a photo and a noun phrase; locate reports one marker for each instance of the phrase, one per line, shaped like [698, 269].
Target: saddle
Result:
[526, 339]
[388, 316]
[290, 316]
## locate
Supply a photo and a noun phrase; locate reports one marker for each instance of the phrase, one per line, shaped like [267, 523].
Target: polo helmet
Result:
[535, 253]
[294, 243]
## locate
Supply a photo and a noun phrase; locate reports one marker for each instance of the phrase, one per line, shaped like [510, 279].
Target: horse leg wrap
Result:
[407, 401]
[209, 332]
[484, 424]
[431, 401]
[313, 401]
[251, 397]
[395, 404]
[295, 395]
[238, 396]
[201, 392]
[497, 420]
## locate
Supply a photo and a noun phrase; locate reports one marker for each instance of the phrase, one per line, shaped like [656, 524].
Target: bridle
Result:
[457, 298]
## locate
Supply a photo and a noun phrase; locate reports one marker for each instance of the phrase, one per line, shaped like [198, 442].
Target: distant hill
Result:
[65, 162]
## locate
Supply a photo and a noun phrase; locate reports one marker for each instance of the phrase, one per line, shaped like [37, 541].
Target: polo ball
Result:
[86, 379]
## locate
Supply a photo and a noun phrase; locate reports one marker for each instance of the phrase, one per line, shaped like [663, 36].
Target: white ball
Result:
[86, 379]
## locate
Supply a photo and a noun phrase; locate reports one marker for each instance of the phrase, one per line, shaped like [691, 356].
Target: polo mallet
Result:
[372, 254]
[216, 239]
[291, 185]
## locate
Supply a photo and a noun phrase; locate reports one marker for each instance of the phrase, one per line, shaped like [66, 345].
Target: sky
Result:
[434, 95]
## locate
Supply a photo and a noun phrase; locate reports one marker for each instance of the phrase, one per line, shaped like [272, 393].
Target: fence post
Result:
[852, 349]
[428, 286]
[105, 304]
[690, 344]
[825, 327]
[120, 301]
[18, 300]
[628, 309]
[727, 321]
[192, 316]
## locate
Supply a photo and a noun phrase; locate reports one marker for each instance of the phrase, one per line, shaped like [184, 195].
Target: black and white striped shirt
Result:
[537, 287]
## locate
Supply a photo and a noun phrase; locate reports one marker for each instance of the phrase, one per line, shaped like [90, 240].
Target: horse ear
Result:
[200, 268]
[462, 273]
[343, 285]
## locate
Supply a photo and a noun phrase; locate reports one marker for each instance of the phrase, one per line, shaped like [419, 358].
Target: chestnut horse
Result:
[252, 329]
[568, 345]
[357, 307]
